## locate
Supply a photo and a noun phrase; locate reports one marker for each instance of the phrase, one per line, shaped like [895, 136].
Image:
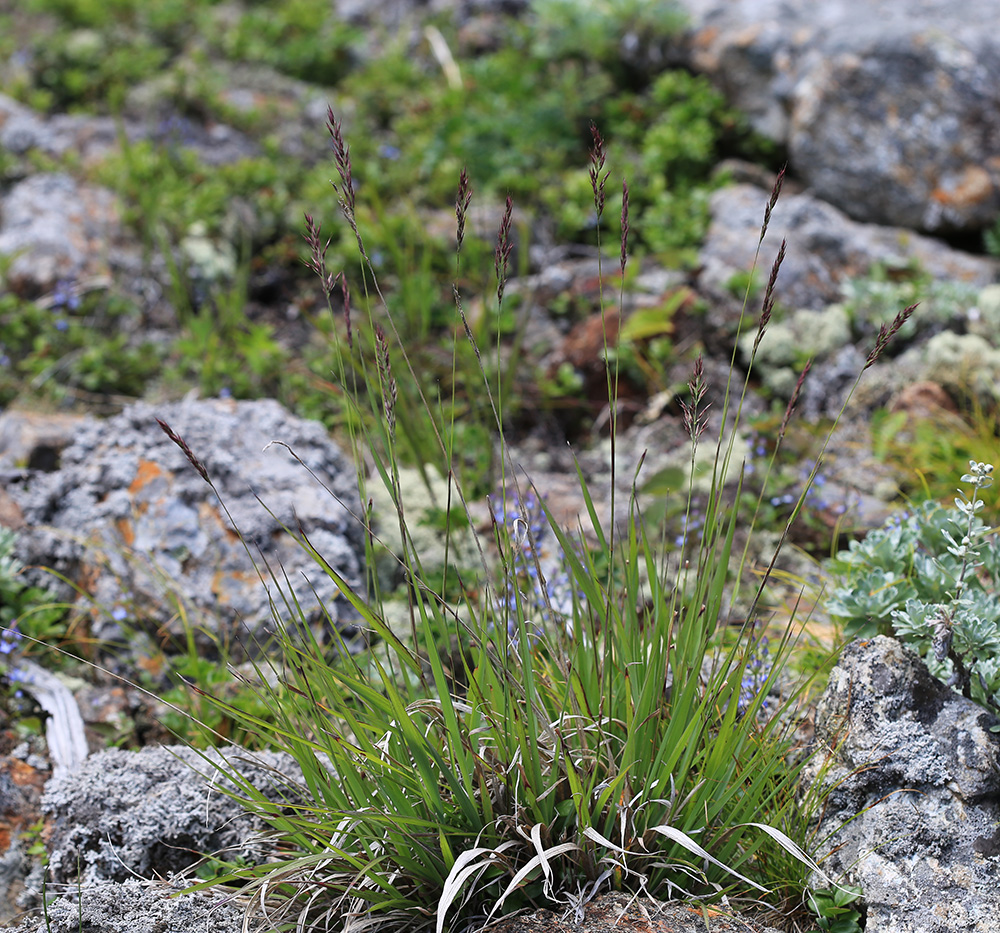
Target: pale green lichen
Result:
[787, 344]
[424, 505]
[962, 363]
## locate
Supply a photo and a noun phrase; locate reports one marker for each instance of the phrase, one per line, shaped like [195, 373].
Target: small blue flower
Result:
[389, 152]
[9, 639]
[119, 613]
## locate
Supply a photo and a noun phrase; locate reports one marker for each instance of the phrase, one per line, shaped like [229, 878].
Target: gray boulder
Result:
[156, 812]
[128, 518]
[889, 109]
[914, 793]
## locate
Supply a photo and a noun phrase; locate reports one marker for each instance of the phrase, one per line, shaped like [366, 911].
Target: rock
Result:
[157, 811]
[914, 793]
[888, 109]
[623, 913]
[825, 248]
[129, 519]
[88, 138]
[135, 906]
[35, 440]
[20, 796]
[53, 227]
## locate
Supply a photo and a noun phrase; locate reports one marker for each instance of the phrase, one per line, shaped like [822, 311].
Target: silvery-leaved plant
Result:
[930, 578]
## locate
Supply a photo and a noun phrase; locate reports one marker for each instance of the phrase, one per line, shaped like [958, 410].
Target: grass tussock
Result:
[524, 743]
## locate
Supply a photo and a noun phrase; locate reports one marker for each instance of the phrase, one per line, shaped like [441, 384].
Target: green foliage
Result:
[75, 69]
[835, 909]
[991, 239]
[930, 579]
[30, 608]
[301, 38]
[73, 343]
[195, 716]
[925, 450]
[596, 29]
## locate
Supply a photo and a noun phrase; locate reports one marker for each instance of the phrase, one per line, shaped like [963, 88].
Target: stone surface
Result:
[156, 812]
[135, 906]
[916, 772]
[825, 248]
[35, 440]
[888, 108]
[622, 913]
[53, 227]
[128, 518]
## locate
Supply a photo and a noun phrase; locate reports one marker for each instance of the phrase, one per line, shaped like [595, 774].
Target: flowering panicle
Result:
[345, 190]
[505, 246]
[316, 260]
[625, 228]
[598, 156]
[696, 418]
[886, 332]
[768, 305]
[775, 192]
[462, 207]
[188, 452]
[317, 263]
[794, 400]
[388, 381]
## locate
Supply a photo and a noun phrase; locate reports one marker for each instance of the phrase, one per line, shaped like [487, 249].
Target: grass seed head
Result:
[462, 207]
[188, 452]
[625, 227]
[775, 192]
[768, 305]
[886, 332]
[598, 156]
[504, 248]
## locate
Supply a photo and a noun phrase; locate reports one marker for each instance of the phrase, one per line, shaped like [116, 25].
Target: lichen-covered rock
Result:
[914, 800]
[157, 811]
[53, 227]
[135, 906]
[129, 519]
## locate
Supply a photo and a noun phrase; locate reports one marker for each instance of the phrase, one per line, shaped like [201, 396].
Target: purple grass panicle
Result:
[505, 246]
[775, 192]
[462, 207]
[794, 400]
[598, 156]
[188, 452]
[886, 332]
[345, 190]
[625, 227]
[768, 306]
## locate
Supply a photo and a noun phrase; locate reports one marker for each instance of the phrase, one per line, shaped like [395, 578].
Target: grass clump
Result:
[569, 720]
